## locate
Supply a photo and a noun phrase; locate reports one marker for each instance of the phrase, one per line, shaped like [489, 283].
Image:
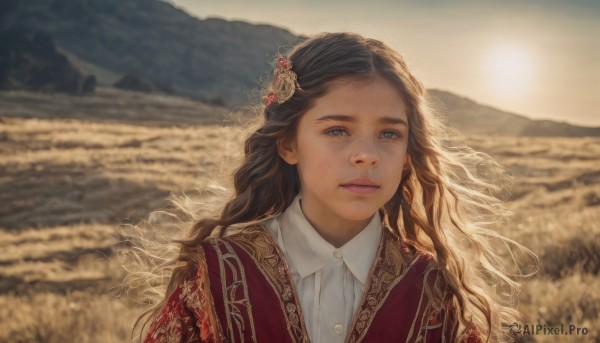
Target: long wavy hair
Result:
[447, 203]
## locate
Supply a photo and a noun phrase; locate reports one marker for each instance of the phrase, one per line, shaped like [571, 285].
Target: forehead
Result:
[371, 97]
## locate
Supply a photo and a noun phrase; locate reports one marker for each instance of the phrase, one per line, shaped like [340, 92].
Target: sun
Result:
[508, 70]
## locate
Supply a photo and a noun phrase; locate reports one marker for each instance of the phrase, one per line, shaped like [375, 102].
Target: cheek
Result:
[313, 152]
[317, 165]
[320, 163]
[396, 165]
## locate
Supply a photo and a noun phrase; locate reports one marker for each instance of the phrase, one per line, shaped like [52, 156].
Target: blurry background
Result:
[108, 106]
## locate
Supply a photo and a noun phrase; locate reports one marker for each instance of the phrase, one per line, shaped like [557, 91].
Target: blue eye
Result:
[393, 135]
[335, 131]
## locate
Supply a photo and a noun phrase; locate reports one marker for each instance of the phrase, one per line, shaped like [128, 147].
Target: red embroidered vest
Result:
[244, 292]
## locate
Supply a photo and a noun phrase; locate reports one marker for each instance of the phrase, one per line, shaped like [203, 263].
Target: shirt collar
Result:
[309, 252]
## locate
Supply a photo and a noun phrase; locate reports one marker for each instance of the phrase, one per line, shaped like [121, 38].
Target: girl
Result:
[353, 220]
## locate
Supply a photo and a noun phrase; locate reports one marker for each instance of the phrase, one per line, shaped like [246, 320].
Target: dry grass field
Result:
[73, 168]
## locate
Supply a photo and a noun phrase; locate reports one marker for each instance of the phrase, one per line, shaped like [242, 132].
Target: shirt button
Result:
[337, 253]
[339, 328]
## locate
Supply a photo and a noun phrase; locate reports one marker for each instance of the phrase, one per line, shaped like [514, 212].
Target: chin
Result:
[357, 215]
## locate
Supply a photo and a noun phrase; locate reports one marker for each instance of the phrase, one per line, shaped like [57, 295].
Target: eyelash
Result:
[339, 128]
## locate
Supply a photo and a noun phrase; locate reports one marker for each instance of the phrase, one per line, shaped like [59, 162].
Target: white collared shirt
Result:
[330, 281]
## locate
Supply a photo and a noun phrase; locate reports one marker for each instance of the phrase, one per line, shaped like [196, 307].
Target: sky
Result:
[538, 58]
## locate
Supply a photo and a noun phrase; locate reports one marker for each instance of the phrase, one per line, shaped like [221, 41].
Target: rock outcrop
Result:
[30, 61]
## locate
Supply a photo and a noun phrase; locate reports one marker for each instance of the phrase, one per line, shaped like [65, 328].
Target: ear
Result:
[287, 151]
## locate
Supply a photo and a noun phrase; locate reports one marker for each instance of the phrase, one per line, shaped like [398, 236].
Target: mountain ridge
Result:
[212, 59]
[159, 42]
[471, 117]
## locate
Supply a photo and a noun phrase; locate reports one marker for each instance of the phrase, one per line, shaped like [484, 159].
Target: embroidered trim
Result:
[392, 263]
[436, 310]
[186, 316]
[234, 305]
[257, 242]
[208, 322]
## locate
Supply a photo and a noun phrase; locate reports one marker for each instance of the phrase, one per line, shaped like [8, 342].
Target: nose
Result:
[365, 153]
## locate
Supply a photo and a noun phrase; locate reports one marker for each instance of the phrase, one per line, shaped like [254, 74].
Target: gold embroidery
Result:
[202, 303]
[173, 323]
[257, 242]
[430, 305]
[392, 262]
[435, 292]
[229, 261]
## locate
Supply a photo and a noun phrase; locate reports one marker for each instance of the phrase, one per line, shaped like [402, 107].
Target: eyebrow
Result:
[351, 119]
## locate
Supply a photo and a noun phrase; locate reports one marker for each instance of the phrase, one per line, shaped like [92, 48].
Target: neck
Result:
[337, 231]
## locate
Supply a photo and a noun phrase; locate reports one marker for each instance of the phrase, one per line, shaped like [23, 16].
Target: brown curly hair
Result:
[444, 205]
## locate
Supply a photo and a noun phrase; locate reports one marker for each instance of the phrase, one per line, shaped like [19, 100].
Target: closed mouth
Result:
[356, 184]
[362, 182]
[361, 185]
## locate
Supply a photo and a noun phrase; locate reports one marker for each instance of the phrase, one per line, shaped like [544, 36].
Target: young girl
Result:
[353, 220]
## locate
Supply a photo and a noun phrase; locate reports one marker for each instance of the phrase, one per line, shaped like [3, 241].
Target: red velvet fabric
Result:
[268, 319]
[402, 315]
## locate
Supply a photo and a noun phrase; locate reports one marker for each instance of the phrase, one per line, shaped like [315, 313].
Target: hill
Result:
[470, 117]
[32, 62]
[152, 39]
[212, 59]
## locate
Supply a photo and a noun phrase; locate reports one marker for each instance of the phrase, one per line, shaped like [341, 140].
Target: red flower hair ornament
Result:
[284, 83]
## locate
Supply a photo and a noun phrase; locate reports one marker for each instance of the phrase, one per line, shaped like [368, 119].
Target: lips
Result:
[361, 186]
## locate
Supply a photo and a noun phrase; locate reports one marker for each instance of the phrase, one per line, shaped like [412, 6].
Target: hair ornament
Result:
[284, 83]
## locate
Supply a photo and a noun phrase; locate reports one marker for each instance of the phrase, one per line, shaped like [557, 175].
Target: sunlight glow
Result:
[508, 70]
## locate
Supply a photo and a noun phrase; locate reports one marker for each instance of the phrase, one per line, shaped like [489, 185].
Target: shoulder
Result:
[175, 321]
[263, 230]
[441, 296]
[194, 294]
[246, 246]
[422, 261]
[435, 277]
[400, 250]
[425, 271]
[268, 226]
